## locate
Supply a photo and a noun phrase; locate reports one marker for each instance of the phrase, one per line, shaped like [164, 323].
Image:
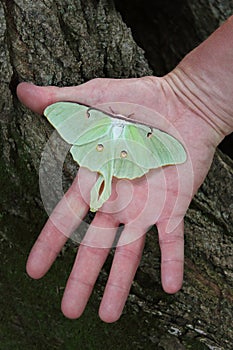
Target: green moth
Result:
[112, 145]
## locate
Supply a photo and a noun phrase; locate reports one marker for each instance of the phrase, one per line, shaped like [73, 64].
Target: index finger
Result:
[65, 218]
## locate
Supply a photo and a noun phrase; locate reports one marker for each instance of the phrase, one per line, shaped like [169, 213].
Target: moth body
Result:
[117, 128]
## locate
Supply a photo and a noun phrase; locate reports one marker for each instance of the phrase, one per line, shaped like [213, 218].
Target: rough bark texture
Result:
[67, 43]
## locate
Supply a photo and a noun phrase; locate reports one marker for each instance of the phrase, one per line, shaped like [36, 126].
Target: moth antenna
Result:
[119, 115]
[111, 110]
[130, 115]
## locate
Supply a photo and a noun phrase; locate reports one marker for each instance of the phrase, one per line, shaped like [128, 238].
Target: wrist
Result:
[192, 98]
[203, 80]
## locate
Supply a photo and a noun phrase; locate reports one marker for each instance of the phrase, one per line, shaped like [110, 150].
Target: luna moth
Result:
[111, 145]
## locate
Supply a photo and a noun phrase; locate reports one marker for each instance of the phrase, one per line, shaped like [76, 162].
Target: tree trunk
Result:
[67, 43]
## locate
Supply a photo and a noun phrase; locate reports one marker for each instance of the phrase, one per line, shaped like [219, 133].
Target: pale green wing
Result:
[87, 155]
[137, 147]
[126, 169]
[98, 197]
[152, 148]
[97, 157]
[170, 151]
[96, 130]
[71, 120]
[97, 154]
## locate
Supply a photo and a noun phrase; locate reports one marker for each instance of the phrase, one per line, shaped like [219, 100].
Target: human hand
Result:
[161, 197]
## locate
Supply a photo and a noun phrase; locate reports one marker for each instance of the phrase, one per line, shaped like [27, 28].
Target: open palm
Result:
[161, 197]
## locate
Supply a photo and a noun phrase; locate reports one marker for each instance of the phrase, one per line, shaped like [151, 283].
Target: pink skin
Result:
[200, 134]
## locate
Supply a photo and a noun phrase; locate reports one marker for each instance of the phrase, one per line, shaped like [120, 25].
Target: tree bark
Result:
[67, 43]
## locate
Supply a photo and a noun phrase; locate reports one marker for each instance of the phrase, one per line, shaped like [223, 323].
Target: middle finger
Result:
[91, 256]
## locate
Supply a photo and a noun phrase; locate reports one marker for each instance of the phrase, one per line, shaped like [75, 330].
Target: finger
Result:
[125, 264]
[37, 98]
[93, 92]
[67, 215]
[172, 256]
[179, 191]
[92, 253]
[180, 197]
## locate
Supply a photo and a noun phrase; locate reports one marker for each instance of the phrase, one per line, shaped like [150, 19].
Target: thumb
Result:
[95, 91]
[37, 98]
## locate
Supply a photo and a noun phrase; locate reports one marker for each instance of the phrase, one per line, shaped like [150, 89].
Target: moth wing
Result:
[153, 148]
[132, 154]
[126, 164]
[169, 150]
[87, 154]
[71, 120]
[96, 130]
[126, 169]
[138, 147]
[112, 156]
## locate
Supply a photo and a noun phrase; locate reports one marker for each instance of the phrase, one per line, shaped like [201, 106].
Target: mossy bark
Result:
[67, 43]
